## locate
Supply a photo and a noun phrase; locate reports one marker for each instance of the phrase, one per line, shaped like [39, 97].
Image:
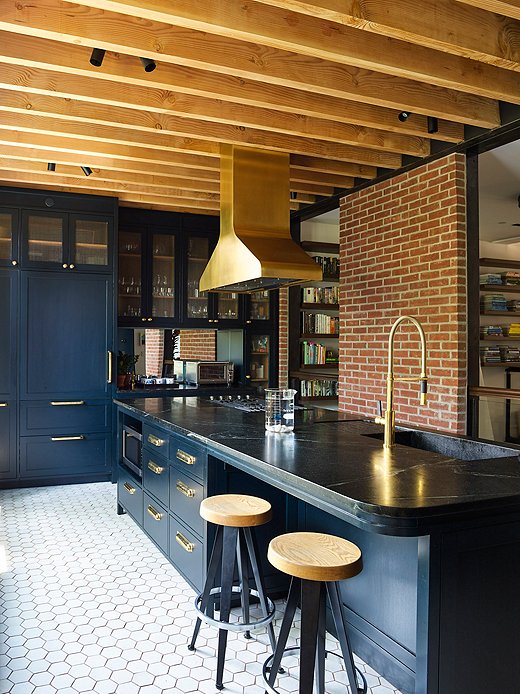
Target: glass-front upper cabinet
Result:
[227, 306]
[129, 294]
[259, 306]
[196, 308]
[90, 242]
[163, 276]
[8, 237]
[68, 241]
[258, 352]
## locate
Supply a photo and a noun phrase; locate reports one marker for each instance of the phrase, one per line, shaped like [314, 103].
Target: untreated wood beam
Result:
[509, 8]
[178, 45]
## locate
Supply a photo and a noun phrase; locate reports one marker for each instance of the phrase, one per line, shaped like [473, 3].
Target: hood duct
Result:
[255, 249]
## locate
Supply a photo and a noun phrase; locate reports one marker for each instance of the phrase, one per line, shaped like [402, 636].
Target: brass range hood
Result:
[255, 249]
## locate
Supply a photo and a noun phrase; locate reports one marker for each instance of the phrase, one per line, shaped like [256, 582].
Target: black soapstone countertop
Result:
[331, 461]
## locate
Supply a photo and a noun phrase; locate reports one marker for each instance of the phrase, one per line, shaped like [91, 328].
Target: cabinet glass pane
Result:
[259, 360]
[259, 306]
[45, 239]
[90, 242]
[6, 235]
[129, 284]
[163, 275]
[198, 256]
[227, 305]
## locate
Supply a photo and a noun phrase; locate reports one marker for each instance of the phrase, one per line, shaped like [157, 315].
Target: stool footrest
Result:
[266, 671]
[236, 626]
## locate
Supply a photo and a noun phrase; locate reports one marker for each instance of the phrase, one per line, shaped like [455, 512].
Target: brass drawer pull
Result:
[184, 489]
[61, 403]
[184, 543]
[186, 457]
[67, 438]
[4, 404]
[109, 365]
[155, 441]
[154, 514]
[129, 488]
[155, 468]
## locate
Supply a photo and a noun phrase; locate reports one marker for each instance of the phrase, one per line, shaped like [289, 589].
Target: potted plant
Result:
[125, 364]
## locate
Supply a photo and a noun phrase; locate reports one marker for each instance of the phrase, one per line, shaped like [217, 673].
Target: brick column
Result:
[198, 344]
[403, 251]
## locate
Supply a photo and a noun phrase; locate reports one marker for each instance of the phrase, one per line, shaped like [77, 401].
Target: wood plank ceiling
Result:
[324, 80]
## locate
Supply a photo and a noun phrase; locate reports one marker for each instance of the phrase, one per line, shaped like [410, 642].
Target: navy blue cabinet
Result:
[66, 336]
[8, 344]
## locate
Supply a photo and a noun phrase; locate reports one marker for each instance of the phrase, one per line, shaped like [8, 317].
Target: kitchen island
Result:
[435, 607]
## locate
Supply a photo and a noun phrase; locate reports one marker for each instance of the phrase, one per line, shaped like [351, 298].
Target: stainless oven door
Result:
[132, 453]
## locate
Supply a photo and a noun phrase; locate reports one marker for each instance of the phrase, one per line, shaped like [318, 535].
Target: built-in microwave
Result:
[131, 454]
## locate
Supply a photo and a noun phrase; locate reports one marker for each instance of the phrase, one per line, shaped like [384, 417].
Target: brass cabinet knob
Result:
[149, 319]
[143, 319]
[248, 376]
[71, 266]
[14, 262]
[248, 322]
[65, 266]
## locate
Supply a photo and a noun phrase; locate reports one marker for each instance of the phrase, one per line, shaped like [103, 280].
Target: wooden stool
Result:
[235, 515]
[316, 563]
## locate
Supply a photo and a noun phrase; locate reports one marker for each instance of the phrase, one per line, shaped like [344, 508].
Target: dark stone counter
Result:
[332, 462]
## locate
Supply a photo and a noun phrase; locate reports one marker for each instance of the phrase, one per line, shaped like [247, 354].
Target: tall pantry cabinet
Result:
[56, 359]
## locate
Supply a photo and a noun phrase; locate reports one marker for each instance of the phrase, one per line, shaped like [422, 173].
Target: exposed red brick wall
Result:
[402, 251]
[154, 352]
[198, 344]
[283, 338]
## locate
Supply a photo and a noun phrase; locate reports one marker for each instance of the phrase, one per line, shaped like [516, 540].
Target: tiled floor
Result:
[88, 604]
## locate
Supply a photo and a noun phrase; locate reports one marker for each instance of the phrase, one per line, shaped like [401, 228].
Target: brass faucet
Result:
[389, 417]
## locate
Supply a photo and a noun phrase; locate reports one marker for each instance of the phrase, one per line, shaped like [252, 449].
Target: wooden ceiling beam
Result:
[174, 44]
[508, 8]
[183, 90]
[90, 110]
[443, 24]
[166, 208]
[320, 39]
[186, 139]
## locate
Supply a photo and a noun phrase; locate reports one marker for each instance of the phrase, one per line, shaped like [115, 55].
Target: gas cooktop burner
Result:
[246, 403]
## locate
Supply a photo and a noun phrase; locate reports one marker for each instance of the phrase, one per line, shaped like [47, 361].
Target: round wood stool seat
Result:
[236, 510]
[315, 556]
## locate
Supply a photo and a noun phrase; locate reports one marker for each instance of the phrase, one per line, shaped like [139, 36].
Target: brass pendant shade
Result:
[255, 249]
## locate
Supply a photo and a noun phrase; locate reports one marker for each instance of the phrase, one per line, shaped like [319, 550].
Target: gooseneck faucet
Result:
[389, 417]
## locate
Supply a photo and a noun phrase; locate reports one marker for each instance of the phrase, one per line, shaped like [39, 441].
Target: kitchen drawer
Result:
[64, 416]
[130, 495]
[155, 476]
[155, 439]
[185, 498]
[185, 453]
[65, 456]
[187, 553]
[155, 522]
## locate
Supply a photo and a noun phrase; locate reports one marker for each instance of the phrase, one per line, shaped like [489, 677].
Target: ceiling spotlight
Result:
[51, 167]
[293, 194]
[148, 64]
[96, 57]
[404, 115]
[433, 124]
[86, 170]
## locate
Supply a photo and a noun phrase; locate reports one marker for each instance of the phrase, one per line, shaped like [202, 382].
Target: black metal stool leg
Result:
[310, 604]
[288, 616]
[344, 642]
[210, 581]
[243, 576]
[252, 548]
[226, 585]
[320, 650]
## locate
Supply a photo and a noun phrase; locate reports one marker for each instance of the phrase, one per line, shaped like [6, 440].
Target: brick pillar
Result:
[403, 251]
[198, 344]
[154, 340]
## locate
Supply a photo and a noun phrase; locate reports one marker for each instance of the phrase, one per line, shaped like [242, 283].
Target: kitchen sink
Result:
[450, 446]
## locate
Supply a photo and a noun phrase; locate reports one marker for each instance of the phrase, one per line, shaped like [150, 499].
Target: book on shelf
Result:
[320, 323]
[328, 264]
[312, 388]
[320, 295]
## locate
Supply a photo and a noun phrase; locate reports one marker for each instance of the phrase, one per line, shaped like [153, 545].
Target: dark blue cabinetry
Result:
[8, 349]
[66, 335]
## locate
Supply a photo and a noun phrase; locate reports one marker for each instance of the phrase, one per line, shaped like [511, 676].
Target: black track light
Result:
[51, 167]
[148, 64]
[293, 194]
[86, 170]
[433, 124]
[404, 115]
[96, 57]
